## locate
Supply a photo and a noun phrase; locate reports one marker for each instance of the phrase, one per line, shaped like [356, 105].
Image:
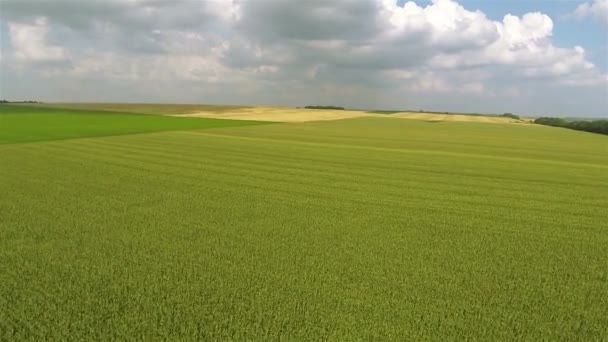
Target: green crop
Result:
[361, 229]
[29, 123]
[140, 108]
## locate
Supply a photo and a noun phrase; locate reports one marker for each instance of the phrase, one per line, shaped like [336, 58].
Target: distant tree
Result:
[26, 101]
[593, 126]
[510, 115]
[325, 107]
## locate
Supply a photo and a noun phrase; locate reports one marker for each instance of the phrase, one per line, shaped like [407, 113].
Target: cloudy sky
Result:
[534, 57]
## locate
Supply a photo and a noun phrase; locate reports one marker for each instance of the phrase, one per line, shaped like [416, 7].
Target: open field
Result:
[141, 108]
[25, 123]
[278, 114]
[273, 114]
[455, 117]
[367, 228]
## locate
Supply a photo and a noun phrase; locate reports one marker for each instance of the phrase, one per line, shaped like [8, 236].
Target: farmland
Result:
[272, 114]
[363, 228]
[24, 123]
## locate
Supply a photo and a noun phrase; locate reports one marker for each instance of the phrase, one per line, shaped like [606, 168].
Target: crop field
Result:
[456, 117]
[273, 114]
[365, 228]
[25, 123]
[278, 114]
[141, 108]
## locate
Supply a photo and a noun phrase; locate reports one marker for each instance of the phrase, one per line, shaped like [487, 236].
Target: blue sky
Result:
[568, 31]
[433, 55]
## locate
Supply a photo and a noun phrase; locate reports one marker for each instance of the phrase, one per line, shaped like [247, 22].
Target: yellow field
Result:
[278, 114]
[454, 117]
[287, 114]
[273, 114]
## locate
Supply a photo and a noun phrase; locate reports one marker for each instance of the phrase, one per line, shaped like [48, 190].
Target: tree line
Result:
[325, 107]
[593, 126]
[6, 101]
[510, 115]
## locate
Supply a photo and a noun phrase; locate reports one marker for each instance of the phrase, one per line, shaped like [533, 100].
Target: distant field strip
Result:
[453, 117]
[367, 228]
[272, 114]
[27, 124]
[139, 108]
[280, 114]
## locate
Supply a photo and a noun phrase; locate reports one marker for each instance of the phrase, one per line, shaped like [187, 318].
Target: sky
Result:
[530, 57]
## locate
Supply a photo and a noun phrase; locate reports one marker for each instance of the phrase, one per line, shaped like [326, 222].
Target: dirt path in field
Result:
[279, 114]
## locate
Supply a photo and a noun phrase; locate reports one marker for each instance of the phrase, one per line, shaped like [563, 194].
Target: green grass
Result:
[27, 123]
[140, 108]
[363, 229]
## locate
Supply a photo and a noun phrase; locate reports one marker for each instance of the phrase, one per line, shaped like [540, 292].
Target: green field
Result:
[30, 123]
[359, 229]
[140, 108]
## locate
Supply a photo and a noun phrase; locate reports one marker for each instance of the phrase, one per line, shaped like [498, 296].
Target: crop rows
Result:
[307, 231]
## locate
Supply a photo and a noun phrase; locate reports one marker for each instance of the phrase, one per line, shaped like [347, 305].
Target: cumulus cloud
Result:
[597, 9]
[363, 53]
[443, 35]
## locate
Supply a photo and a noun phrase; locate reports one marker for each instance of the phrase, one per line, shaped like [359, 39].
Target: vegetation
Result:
[387, 112]
[144, 108]
[593, 126]
[25, 123]
[325, 107]
[6, 101]
[510, 115]
[368, 228]
[506, 115]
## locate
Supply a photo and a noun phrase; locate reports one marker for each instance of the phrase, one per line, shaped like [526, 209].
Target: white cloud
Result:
[29, 42]
[280, 48]
[445, 22]
[524, 45]
[514, 46]
[597, 9]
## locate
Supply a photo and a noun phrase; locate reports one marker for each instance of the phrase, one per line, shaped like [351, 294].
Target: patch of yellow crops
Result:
[280, 114]
[271, 114]
[453, 117]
